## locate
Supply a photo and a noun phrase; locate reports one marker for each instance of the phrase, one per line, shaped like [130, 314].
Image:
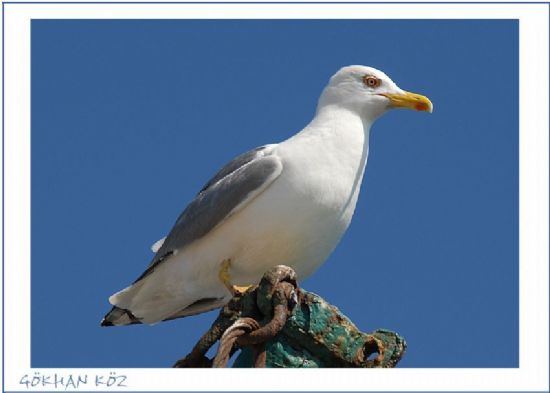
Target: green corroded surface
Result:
[317, 334]
[280, 353]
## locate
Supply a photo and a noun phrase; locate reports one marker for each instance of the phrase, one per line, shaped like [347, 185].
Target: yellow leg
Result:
[225, 278]
[223, 274]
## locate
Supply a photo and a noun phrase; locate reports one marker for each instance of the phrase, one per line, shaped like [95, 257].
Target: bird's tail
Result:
[119, 317]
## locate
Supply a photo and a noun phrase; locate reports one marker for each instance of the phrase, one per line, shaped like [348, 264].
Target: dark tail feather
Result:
[119, 317]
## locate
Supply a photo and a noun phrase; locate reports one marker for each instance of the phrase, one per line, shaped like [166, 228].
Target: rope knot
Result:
[275, 298]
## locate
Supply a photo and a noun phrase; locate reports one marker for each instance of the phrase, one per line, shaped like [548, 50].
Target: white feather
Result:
[158, 244]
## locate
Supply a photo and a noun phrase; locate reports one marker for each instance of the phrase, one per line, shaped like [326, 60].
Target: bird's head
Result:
[369, 92]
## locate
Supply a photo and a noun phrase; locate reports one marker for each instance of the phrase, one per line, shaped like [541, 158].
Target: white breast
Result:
[300, 219]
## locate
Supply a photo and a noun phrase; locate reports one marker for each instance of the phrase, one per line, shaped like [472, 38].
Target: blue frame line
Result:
[275, 2]
[3, 293]
[178, 2]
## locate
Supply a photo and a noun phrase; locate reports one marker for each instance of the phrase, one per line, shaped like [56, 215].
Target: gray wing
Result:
[235, 164]
[234, 186]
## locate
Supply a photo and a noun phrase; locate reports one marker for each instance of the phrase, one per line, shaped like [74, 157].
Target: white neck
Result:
[329, 157]
[335, 141]
[335, 125]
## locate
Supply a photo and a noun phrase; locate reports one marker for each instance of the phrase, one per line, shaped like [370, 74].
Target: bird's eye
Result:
[371, 81]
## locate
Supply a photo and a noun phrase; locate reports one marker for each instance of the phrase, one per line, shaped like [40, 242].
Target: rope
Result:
[246, 331]
[239, 328]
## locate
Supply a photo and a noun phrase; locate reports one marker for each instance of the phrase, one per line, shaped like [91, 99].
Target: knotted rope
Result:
[275, 297]
[247, 331]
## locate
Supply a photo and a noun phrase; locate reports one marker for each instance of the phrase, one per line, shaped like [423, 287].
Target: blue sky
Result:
[130, 119]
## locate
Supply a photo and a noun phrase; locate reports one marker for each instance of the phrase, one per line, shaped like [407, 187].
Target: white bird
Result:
[280, 204]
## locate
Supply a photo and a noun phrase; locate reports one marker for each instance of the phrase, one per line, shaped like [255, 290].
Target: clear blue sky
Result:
[131, 118]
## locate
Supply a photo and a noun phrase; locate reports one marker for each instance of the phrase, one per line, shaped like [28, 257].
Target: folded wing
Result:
[231, 189]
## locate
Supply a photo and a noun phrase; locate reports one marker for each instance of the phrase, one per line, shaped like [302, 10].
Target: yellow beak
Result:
[410, 101]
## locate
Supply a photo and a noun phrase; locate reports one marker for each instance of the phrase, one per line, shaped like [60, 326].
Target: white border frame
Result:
[533, 371]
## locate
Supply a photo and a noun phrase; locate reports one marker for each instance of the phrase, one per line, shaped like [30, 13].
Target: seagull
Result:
[279, 204]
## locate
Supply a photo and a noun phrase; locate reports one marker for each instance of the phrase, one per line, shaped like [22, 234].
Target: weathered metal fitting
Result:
[269, 282]
[280, 325]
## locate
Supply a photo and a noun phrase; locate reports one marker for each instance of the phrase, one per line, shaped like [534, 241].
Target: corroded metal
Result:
[317, 334]
[277, 291]
[294, 328]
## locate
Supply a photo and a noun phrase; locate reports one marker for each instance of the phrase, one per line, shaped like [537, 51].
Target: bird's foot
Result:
[225, 278]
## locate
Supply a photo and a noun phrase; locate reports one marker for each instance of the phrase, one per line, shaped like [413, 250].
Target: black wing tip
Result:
[112, 318]
[104, 322]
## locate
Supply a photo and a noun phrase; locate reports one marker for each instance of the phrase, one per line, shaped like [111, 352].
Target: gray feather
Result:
[227, 192]
[235, 164]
